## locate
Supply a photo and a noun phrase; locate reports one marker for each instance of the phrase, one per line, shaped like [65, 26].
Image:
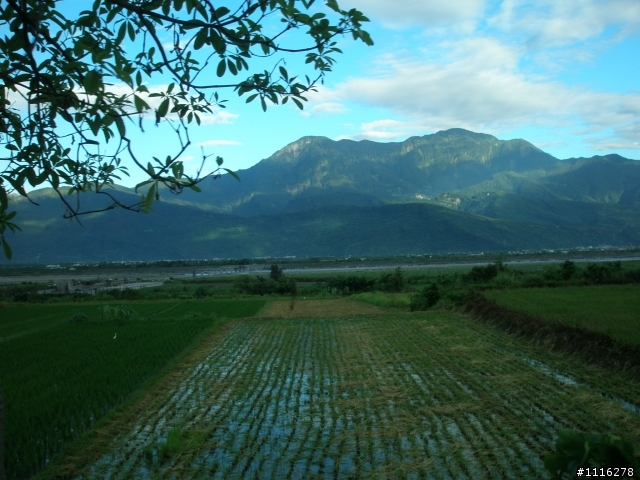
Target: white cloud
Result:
[613, 146]
[557, 23]
[380, 130]
[219, 143]
[217, 117]
[478, 86]
[326, 108]
[452, 13]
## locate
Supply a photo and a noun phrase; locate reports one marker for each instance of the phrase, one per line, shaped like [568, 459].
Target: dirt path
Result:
[321, 308]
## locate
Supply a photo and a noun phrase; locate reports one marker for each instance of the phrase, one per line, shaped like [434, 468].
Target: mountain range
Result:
[452, 191]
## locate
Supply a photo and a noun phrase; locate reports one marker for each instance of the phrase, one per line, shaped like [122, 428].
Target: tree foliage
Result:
[578, 450]
[72, 89]
[426, 299]
[276, 272]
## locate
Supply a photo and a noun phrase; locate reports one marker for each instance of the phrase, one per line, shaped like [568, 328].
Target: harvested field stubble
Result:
[321, 308]
[432, 396]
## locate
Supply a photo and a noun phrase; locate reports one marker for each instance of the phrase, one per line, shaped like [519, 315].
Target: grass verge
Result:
[400, 301]
[609, 309]
[591, 346]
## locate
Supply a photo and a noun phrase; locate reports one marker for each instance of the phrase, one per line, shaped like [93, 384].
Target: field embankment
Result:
[435, 395]
[610, 309]
[591, 346]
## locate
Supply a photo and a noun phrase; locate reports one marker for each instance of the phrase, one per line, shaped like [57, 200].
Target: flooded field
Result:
[432, 396]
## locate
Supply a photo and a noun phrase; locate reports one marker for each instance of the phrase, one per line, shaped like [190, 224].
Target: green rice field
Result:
[60, 377]
[435, 396]
[610, 309]
[385, 300]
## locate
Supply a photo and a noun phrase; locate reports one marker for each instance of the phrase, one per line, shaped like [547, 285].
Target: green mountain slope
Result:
[399, 172]
[179, 232]
[320, 197]
[551, 211]
[600, 179]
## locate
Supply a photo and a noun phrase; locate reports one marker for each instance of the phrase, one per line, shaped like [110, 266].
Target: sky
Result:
[563, 75]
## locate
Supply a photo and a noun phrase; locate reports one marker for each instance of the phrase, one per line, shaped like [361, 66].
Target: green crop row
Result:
[610, 309]
[69, 365]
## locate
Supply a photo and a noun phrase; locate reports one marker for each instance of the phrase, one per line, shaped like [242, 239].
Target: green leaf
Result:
[232, 173]
[283, 72]
[195, 188]
[219, 44]
[221, 12]
[120, 124]
[200, 39]
[163, 108]
[222, 67]
[131, 30]
[366, 38]
[232, 67]
[142, 184]
[7, 249]
[333, 5]
[151, 194]
[139, 103]
[122, 31]
[92, 82]
[4, 199]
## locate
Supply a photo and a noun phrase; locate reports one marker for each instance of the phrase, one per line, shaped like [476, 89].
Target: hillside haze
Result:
[454, 190]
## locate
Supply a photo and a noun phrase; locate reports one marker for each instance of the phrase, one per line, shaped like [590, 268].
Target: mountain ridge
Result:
[179, 232]
[397, 171]
[454, 189]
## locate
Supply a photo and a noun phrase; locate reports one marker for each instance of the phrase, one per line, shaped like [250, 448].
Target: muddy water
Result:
[409, 397]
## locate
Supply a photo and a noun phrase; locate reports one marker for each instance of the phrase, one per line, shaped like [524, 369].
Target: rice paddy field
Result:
[64, 367]
[431, 395]
[609, 309]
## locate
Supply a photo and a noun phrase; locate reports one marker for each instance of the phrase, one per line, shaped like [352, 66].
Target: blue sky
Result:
[563, 75]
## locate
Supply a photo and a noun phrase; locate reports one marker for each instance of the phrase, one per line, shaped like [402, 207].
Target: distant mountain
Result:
[550, 211]
[451, 191]
[178, 232]
[600, 179]
[300, 204]
[417, 168]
